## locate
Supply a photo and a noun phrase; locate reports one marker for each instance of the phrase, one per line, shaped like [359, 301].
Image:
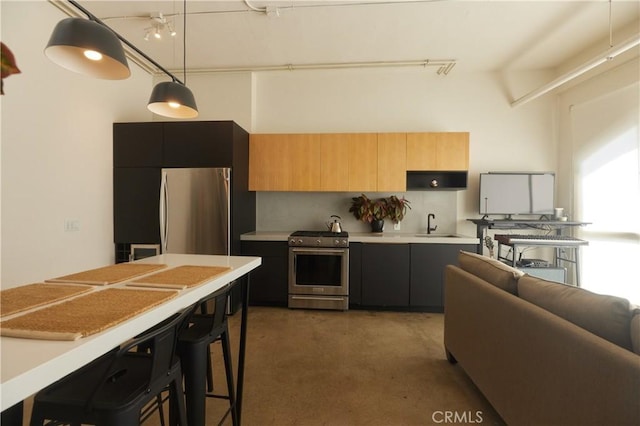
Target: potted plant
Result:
[397, 208]
[375, 211]
[370, 211]
[9, 66]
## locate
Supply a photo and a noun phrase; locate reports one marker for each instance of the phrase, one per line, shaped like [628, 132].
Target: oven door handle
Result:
[318, 250]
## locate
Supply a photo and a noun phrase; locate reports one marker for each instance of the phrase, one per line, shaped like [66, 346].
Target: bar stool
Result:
[116, 389]
[194, 350]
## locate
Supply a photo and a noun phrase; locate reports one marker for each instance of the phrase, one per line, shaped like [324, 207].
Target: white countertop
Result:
[28, 365]
[370, 237]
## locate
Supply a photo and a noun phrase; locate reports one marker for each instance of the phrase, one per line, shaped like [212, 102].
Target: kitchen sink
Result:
[438, 235]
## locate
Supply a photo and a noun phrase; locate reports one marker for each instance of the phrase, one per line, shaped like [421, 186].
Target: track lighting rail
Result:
[444, 66]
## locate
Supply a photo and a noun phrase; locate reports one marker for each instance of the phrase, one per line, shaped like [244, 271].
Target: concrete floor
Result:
[311, 367]
[369, 368]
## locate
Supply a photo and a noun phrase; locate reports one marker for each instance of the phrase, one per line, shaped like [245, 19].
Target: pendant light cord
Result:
[184, 42]
[610, 27]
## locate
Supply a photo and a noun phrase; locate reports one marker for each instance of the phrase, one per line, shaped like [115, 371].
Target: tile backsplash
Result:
[291, 211]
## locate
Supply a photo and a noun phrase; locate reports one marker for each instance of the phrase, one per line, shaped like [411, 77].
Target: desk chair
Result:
[194, 350]
[115, 389]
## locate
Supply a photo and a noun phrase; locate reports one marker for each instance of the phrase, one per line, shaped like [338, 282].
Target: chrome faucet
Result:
[429, 228]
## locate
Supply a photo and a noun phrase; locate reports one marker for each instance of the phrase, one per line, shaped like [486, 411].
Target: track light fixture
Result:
[159, 24]
[89, 46]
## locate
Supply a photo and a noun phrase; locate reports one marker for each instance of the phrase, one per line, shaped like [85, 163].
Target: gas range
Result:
[319, 239]
[319, 270]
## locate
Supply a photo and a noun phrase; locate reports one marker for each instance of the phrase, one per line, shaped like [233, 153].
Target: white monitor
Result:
[517, 193]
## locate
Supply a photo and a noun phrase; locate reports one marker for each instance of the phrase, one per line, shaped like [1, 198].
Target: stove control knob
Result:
[300, 241]
[318, 241]
[292, 241]
[336, 242]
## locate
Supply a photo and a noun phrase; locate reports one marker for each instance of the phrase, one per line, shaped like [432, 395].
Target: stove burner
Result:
[319, 239]
[342, 234]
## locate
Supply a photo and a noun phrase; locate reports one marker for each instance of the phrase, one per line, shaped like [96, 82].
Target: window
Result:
[606, 150]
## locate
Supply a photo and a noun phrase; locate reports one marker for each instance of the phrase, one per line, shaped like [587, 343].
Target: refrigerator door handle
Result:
[226, 174]
[164, 212]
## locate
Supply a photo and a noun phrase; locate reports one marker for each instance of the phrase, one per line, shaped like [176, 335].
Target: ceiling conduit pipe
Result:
[576, 72]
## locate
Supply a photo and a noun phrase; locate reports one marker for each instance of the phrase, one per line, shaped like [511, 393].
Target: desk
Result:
[545, 225]
[557, 226]
[28, 365]
[557, 246]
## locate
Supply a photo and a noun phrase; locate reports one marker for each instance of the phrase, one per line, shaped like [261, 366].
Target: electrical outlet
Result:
[71, 225]
[396, 226]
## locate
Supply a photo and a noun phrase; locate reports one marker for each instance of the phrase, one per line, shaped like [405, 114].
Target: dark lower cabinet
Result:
[385, 275]
[355, 274]
[427, 273]
[391, 276]
[269, 285]
[400, 276]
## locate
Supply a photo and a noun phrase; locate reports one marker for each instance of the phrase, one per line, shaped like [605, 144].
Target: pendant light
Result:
[87, 47]
[172, 98]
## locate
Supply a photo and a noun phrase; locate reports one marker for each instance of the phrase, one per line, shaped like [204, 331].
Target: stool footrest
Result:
[212, 395]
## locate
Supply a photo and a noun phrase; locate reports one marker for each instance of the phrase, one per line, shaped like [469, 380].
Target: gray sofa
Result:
[542, 353]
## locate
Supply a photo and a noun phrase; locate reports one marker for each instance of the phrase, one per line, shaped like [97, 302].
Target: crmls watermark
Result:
[457, 417]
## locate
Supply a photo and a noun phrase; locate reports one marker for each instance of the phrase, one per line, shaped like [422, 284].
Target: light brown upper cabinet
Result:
[268, 162]
[304, 162]
[363, 161]
[284, 162]
[334, 162]
[392, 162]
[351, 162]
[447, 151]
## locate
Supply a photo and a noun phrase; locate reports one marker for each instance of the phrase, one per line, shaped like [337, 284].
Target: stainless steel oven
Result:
[319, 270]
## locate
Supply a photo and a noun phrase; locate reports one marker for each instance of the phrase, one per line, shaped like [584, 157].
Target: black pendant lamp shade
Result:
[172, 99]
[87, 47]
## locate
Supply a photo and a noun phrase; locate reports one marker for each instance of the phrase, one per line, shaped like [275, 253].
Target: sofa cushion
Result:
[606, 316]
[495, 272]
[635, 330]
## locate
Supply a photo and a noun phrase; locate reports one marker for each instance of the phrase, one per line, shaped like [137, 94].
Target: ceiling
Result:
[478, 35]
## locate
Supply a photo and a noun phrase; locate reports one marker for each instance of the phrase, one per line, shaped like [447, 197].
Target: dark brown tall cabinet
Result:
[141, 150]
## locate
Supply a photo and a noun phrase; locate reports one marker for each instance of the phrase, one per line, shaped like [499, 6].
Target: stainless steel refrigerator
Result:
[195, 211]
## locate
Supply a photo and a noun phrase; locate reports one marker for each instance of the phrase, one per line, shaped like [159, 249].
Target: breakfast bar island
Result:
[30, 364]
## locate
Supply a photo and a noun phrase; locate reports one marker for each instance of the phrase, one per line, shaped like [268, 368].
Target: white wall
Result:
[57, 153]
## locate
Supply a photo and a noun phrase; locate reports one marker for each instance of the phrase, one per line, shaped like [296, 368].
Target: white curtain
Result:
[606, 164]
